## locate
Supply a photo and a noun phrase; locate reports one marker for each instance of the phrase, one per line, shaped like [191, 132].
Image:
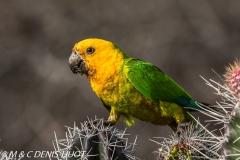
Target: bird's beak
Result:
[77, 64]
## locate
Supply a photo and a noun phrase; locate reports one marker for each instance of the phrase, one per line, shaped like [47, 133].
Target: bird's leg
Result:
[114, 116]
[112, 119]
[180, 131]
[98, 121]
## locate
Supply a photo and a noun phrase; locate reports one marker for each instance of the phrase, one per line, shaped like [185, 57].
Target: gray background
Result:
[40, 95]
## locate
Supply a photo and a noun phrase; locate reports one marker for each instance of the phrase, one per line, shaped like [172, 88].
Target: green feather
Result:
[155, 84]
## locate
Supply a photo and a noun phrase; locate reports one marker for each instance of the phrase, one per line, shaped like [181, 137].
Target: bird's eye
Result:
[90, 50]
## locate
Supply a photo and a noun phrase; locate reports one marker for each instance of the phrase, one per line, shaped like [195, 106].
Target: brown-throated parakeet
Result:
[130, 87]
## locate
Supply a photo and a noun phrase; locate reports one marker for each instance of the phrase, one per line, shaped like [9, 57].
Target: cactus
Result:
[229, 114]
[188, 143]
[232, 77]
[95, 141]
[231, 147]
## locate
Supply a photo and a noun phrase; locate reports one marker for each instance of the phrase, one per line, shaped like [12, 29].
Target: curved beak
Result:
[77, 64]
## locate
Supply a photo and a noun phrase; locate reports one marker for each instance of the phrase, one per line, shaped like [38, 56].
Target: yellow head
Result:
[96, 58]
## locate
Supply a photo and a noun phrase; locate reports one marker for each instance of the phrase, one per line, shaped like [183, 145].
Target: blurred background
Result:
[38, 92]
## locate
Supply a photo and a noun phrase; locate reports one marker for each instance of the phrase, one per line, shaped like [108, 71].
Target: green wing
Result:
[154, 84]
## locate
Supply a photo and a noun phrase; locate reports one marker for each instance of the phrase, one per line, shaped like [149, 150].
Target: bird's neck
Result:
[106, 73]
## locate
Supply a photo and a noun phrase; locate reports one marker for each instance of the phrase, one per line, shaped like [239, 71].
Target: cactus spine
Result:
[95, 141]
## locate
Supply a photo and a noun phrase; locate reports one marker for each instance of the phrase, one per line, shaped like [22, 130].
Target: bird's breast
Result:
[120, 93]
[116, 90]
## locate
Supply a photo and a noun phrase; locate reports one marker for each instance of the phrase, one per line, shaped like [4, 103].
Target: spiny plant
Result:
[94, 140]
[197, 142]
[230, 107]
[232, 77]
[189, 142]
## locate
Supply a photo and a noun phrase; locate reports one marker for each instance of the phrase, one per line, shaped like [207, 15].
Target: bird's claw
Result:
[105, 123]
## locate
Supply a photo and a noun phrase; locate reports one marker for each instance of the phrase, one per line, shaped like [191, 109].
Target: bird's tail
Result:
[203, 107]
[196, 106]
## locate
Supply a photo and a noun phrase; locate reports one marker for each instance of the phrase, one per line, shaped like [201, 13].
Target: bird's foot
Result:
[112, 118]
[180, 128]
[106, 123]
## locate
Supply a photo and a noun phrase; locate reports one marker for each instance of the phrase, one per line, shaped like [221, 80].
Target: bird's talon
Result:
[97, 121]
[108, 123]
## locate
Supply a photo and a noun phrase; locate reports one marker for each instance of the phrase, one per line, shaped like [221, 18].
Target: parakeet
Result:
[130, 87]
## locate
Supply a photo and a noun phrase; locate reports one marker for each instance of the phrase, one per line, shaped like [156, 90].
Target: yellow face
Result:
[95, 56]
[93, 49]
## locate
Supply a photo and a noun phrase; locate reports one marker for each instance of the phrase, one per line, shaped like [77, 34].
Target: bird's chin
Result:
[80, 70]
